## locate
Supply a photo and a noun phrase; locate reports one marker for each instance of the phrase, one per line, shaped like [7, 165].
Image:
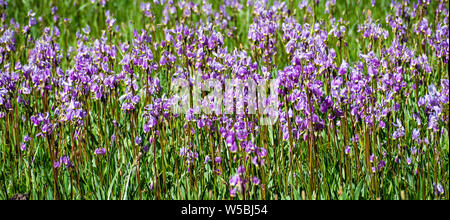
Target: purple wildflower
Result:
[256, 181]
[138, 140]
[381, 164]
[56, 164]
[26, 138]
[23, 146]
[207, 159]
[409, 160]
[347, 149]
[241, 170]
[438, 189]
[235, 180]
[146, 148]
[416, 134]
[100, 151]
[233, 192]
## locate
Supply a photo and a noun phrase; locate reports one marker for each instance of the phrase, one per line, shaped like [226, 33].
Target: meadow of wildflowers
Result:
[212, 100]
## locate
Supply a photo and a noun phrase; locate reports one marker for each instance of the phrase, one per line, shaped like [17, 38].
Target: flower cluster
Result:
[265, 93]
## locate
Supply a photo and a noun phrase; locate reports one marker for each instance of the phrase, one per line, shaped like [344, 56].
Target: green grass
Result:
[115, 175]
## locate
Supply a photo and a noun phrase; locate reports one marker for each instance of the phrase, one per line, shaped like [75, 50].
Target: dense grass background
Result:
[118, 175]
